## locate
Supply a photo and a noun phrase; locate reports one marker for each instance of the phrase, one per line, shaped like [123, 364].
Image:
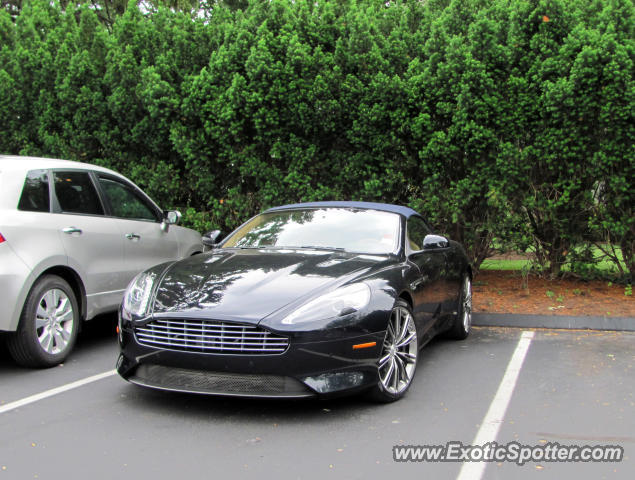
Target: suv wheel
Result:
[48, 324]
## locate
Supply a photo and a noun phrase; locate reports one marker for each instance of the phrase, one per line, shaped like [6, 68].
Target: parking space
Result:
[94, 353]
[577, 388]
[574, 387]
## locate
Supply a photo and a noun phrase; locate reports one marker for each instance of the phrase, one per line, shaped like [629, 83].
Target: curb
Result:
[623, 324]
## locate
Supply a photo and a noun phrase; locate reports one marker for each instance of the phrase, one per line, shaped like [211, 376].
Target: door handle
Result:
[419, 282]
[133, 236]
[72, 230]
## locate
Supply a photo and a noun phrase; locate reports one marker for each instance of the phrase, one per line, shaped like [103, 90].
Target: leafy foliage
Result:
[508, 123]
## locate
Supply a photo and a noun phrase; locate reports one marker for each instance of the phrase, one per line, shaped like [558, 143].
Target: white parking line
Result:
[496, 413]
[55, 391]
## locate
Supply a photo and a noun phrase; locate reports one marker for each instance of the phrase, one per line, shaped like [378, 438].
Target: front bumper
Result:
[305, 369]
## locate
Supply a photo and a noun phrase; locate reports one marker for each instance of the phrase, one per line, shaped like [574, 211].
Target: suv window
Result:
[416, 230]
[125, 201]
[76, 193]
[35, 193]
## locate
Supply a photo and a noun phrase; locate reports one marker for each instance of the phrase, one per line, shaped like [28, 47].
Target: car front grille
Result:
[210, 336]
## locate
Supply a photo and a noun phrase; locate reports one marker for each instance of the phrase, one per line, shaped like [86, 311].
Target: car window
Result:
[35, 193]
[416, 230]
[125, 202]
[76, 193]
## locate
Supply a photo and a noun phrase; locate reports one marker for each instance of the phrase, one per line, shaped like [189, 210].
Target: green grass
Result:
[602, 264]
[501, 264]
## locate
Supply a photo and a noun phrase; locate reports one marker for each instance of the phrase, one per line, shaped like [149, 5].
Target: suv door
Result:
[147, 241]
[92, 241]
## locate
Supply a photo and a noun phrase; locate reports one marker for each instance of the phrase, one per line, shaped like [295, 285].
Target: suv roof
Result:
[13, 169]
[12, 163]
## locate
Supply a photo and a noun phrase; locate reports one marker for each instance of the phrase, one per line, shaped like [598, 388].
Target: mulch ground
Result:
[503, 292]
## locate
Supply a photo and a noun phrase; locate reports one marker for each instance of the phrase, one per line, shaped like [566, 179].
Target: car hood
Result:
[248, 285]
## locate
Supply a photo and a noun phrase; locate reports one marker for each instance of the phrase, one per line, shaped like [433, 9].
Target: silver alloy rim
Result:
[54, 321]
[399, 353]
[467, 304]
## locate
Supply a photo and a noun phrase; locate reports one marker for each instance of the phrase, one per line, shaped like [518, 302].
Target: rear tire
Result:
[48, 324]
[463, 321]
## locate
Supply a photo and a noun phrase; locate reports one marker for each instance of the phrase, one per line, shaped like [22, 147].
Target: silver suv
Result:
[72, 236]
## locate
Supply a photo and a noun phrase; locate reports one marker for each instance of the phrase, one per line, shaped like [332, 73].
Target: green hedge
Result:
[508, 123]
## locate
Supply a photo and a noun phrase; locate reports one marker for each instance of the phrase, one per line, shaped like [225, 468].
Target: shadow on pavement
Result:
[96, 332]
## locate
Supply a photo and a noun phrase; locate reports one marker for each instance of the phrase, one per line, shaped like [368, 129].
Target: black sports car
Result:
[302, 300]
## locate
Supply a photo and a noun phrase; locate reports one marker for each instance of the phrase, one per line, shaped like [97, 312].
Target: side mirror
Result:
[172, 217]
[210, 239]
[435, 242]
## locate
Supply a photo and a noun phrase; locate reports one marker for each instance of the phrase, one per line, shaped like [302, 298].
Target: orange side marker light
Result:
[364, 345]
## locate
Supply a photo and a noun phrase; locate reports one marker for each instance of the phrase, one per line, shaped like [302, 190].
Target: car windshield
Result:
[352, 230]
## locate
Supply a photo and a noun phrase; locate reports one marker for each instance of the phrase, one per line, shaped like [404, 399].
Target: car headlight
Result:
[136, 300]
[339, 302]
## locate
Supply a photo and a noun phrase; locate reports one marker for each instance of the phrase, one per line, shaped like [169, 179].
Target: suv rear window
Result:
[35, 193]
[76, 193]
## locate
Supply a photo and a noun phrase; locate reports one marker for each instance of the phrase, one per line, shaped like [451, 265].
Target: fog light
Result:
[332, 382]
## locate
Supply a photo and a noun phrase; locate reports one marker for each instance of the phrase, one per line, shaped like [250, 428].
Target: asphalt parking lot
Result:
[574, 388]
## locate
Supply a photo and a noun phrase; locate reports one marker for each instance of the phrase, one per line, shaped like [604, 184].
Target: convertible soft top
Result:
[386, 207]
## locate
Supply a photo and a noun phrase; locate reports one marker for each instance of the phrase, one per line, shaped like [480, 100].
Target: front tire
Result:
[398, 359]
[48, 324]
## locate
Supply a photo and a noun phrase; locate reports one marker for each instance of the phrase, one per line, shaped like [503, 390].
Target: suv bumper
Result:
[13, 276]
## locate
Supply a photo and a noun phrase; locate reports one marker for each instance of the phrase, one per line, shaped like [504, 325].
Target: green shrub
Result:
[508, 123]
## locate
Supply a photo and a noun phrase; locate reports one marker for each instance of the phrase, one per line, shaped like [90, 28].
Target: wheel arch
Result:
[74, 280]
[55, 265]
[406, 297]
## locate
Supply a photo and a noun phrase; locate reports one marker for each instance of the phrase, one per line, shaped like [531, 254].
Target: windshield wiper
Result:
[283, 247]
[321, 247]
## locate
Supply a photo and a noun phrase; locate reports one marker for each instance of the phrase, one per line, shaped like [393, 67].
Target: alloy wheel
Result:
[399, 353]
[54, 321]
[466, 298]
